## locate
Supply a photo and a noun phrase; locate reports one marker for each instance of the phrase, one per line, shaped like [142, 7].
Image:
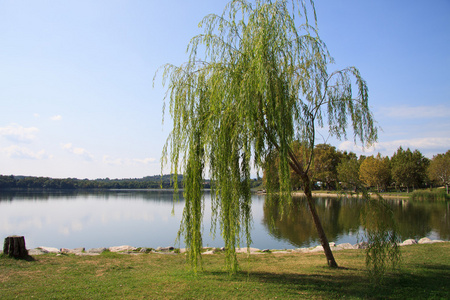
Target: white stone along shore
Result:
[209, 250]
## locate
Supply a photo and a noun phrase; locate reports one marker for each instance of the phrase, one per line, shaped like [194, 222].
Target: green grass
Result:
[425, 274]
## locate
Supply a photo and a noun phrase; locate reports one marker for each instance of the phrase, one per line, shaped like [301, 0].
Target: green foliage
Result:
[434, 195]
[261, 84]
[29, 182]
[409, 168]
[374, 171]
[326, 160]
[381, 234]
[348, 172]
[439, 169]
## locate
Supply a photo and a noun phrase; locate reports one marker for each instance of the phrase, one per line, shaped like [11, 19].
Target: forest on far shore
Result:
[331, 169]
[148, 182]
[31, 182]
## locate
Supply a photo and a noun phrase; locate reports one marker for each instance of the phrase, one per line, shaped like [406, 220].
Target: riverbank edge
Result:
[125, 249]
[350, 194]
[337, 194]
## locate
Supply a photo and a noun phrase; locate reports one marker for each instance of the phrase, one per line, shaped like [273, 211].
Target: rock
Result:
[209, 252]
[244, 250]
[35, 251]
[164, 249]
[425, 240]
[332, 244]
[122, 248]
[96, 250]
[408, 242]
[265, 250]
[317, 249]
[49, 250]
[345, 246]
[72, 251]
[145, 250]
[302, 250]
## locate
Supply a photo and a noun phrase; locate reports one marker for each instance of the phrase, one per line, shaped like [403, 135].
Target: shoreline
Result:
[342, 194]
[352, 195]
[125, 249]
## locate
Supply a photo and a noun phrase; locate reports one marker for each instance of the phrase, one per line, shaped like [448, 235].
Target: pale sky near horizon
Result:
[76, 94]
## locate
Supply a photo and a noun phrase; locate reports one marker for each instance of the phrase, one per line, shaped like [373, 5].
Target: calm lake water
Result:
[145, 219]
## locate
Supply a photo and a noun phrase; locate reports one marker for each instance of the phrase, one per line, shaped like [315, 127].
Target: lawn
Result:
[425, 274]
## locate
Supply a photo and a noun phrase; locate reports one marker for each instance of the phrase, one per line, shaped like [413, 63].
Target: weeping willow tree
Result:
[255, 81]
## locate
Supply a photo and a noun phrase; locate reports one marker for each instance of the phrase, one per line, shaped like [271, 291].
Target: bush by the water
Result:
[436, 194]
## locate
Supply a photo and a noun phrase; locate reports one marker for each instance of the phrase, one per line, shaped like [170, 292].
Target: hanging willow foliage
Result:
[380, 233]
[260, 84]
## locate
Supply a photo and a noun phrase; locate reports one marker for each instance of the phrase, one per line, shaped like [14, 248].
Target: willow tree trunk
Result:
[322, 236]
[15, 246]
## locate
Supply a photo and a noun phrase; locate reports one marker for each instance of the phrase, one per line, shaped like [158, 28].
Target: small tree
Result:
[409, 168]
[374, 171]
[262, 84]
[439, 169]
[348, 172]
[326, 159]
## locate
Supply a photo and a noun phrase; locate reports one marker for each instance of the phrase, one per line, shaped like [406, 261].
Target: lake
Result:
[149, 218]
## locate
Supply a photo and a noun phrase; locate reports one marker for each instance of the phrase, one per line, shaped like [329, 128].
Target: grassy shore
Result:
[425, 274]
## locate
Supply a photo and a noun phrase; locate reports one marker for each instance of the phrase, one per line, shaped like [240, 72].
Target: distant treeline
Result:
[29, 182]
[148, 182]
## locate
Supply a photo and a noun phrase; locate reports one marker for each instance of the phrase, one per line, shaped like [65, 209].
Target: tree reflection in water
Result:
[341, 217]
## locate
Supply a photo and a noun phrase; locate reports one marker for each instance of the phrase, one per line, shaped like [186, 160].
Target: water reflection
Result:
[416, 220]
[151, 219]
[150, 195]
[91, 219]
[341, 218]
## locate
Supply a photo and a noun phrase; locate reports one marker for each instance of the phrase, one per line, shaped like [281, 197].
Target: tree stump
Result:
[15, 246]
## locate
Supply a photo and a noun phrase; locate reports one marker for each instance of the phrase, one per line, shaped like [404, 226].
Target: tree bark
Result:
[322, 236]
[14, 246]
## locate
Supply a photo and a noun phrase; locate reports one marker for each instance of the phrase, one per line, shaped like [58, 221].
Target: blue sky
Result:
[76, 94]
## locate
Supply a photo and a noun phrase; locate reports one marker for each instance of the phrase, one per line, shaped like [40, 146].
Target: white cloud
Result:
[56, 118]
[18, 133]
[144, 161]
[78, 151]
[24, 153]
[416, 112]
[126, 161]
[428, 146]
[112, 161]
